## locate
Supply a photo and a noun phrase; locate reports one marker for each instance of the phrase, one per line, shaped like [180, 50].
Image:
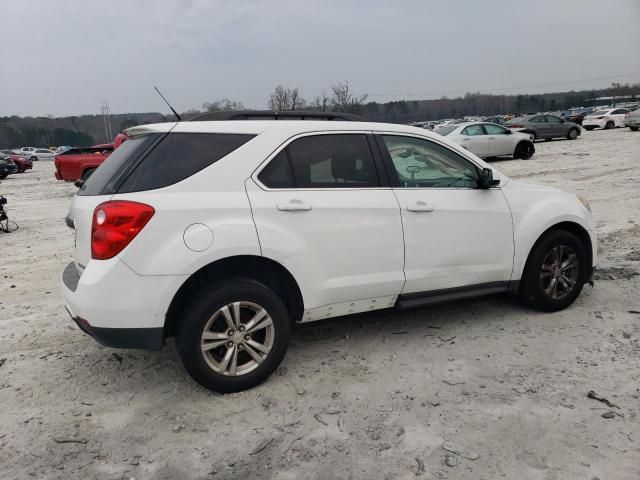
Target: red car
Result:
[80, 163]
[23, 163]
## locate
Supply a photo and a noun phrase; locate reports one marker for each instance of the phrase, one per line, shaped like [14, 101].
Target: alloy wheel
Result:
[237, 338]
[559, 272]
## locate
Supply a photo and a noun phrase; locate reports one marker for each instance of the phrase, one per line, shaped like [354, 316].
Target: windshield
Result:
[600, 112]
[446, 130]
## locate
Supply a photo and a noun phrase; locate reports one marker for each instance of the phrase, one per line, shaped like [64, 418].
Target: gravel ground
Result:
[480, 389]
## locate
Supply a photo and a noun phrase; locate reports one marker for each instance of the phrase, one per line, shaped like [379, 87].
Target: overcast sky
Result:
[63, 57]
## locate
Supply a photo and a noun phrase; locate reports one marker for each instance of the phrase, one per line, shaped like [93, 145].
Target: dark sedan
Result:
[7, 166]
[545, 126]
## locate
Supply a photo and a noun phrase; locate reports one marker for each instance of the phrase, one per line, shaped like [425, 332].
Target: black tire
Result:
[531, 291]
[548, 139]
[34, 159]
[589, 128]
[524, 150]
[634, 129]
[3, 176]
[609, 125]
[87, 173]
[573, 133]
[200, 310]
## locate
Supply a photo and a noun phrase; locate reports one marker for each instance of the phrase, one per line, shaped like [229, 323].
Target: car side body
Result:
[486, 139]
[78, 163]
[545, 126]
[334, 217]
[605, 119]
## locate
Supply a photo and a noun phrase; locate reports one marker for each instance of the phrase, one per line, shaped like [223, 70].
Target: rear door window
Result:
[473, 130]
[323, 161]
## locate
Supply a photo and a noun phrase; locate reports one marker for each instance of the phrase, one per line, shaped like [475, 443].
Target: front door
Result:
[323, 210]
[455, 234]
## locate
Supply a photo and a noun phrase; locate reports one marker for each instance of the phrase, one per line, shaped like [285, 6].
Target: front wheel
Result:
[589, 128]
[635, 129]
[573, 134]
[524, 150]
[234, 335]
[555, 272]
[34, 159]
[609, 125]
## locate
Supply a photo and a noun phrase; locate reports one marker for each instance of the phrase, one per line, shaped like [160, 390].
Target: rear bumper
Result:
[138, 338]
[632, 123]
[116, 306]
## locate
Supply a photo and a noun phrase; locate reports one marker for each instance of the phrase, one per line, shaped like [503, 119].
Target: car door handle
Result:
[294, 205]
[420, 206]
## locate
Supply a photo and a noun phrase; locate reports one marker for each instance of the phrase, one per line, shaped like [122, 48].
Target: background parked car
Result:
[22, 162]
[489, 140]
[632, 120]
[577, 115]
[80, 163]
[544, 126]
[41, 154]
[7, 166]
[611, 118]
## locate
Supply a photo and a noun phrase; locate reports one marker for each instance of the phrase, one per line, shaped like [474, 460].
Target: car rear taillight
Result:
[115, 224]
[514, 125]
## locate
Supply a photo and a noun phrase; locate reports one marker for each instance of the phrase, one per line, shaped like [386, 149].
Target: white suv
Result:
[223, 234]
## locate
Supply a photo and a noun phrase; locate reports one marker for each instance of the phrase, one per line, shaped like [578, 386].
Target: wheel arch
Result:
[568, 226]
[262, 269]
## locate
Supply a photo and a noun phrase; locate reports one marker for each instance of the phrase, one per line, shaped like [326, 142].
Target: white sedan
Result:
[41, 154]
[611, 118]
[489, 140]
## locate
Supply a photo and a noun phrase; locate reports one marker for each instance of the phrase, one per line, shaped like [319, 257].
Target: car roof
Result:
[255, 127]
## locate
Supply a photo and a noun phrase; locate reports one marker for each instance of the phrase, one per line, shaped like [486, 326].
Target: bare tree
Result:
[344, 99]
[223, 105]
[286, 99]
[321, 101]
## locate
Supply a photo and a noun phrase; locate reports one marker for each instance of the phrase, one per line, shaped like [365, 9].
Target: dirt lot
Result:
[481, 389]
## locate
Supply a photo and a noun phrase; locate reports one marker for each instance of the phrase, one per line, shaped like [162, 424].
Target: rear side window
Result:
[324, 161]
[178, 156]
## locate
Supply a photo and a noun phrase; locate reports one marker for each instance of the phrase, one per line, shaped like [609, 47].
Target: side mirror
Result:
[486, 179]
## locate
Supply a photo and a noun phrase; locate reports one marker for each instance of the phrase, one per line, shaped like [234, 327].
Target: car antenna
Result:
[167, 102]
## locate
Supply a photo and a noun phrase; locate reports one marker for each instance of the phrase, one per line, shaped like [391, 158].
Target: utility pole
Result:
[106, 112]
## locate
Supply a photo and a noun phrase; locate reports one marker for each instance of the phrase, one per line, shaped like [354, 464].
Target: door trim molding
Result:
[418, 299]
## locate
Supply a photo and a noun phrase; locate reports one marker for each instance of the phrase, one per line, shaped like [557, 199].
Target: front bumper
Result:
[116, 306]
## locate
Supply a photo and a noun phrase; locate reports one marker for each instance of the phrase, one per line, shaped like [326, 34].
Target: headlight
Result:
[584, 202]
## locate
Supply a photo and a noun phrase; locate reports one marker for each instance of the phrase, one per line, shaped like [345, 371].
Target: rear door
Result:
[541, 127]
[324, 210]
[474, 138]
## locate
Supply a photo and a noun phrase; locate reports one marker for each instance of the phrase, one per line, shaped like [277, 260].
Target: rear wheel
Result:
[524, 150]
[589, 128]
[555, 272]
[573, 134]
[234, 335]
[635, 129]
[3, 176]
[609, 125]
[34, 158]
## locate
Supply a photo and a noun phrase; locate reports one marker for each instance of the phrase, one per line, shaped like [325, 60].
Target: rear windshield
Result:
[156, 161]
[114, 164]
[446, 130]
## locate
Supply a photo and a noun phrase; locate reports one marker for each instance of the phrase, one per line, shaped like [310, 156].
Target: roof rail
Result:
[274, 115]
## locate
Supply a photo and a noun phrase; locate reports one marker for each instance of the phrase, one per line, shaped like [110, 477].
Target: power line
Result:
[438, 94]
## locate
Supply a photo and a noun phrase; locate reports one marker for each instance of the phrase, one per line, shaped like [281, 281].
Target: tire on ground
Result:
[531, 292]
[199, 310]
